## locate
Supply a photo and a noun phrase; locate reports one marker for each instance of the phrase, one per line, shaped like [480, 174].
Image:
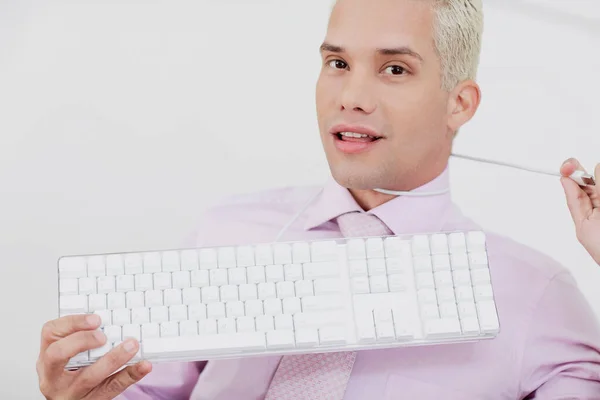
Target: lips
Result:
[353, 139]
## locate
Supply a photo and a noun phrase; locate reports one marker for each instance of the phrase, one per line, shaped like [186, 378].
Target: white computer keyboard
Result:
[283, 298]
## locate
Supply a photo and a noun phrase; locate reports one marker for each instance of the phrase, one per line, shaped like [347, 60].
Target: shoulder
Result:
[251, 216]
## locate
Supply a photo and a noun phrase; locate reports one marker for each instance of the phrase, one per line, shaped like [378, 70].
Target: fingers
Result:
[65, 326]
[569, 166]
[578, 201]
[59, 353]
[95, 374]
[120, 381]
[595, 195]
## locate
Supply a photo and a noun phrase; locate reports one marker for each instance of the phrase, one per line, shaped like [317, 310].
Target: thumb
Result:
[579, 203]
[119, 382]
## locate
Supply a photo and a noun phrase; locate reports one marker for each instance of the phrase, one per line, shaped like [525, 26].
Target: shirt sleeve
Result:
[166, 381]
[562, 350]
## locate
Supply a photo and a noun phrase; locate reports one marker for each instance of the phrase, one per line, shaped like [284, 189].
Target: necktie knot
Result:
[362, 224]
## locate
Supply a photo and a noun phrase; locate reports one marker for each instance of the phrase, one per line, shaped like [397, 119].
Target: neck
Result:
[368, 199]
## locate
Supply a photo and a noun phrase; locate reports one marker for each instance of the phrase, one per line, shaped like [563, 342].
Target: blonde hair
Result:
[458, 29]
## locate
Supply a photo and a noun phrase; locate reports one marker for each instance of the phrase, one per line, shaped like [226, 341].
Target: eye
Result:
[337, 64]
[395, 70]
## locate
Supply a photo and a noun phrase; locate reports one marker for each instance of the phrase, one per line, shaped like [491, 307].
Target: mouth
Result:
[356, 137]
[353, 139]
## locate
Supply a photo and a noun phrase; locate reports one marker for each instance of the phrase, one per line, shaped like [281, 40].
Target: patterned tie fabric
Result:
[323, 376]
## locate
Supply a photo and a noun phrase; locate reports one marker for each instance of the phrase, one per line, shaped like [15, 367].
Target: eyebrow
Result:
[394, 51]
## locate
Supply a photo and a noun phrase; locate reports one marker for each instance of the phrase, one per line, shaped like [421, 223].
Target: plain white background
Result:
[120, 121]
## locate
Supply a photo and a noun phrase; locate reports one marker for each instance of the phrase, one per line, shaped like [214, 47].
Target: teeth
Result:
[354, 134]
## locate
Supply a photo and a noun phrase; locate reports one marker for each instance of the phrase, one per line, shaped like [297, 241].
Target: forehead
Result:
[370, 24]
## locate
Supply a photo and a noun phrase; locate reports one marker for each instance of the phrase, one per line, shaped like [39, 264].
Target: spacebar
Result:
[198, 346]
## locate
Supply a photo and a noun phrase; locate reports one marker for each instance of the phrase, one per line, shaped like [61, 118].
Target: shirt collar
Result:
[403, 214]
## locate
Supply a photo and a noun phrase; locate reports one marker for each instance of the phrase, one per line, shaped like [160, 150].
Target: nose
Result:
[356, 94]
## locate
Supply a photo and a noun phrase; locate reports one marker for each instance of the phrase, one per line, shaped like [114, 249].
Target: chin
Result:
[353, 178]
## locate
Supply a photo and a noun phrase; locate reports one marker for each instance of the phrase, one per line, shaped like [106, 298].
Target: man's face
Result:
[381, 76]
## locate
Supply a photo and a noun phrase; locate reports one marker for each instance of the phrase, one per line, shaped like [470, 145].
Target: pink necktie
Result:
[323, 376]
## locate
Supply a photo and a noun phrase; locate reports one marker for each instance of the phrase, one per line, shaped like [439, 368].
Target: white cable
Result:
[539, 171]
[308, 203]
[412, 194]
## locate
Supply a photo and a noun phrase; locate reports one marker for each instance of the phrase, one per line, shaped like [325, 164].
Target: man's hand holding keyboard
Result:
[584, 205]
[68, 336]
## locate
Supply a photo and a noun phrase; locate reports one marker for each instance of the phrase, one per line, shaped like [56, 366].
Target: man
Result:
[397, 83]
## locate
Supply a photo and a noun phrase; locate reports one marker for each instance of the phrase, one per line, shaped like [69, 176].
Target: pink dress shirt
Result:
[549, 343]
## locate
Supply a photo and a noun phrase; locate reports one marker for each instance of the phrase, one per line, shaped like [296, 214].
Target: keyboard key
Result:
[245, 256]
[285, 289]
[69, 286]
[95, 266]
[284, 322]
[375, 248]
[439, 244]
[457, 243]
[125, 283]
[199, 278]
[201, 346]
[248, 292]
[282, 253]
[361, 285]
[144, 282]
[181, 279]
[356, 249]
[488, 317]
[72, 267]
[376, 266]
[86, 286]
[327, 286]
[324, 251]
[106, 284]
[331, 335]
[74, 304]
[441, 328]
[170, 261]
[420, 246]
[188, 328]
[293, 272]
[245, 324]
[280, 339]
[189, 260]
[172, 297]
[152, 262]
[218, 277]
[263, 254]
[114, 265]
[300, 253]
[274, 273]
[396, 247]
[162, 280]
[307, 338]
[178, 312]
[256, 274]
[235, 309]
[237, 276]
[153, 298]
[208, 258]
[266, 290]
[321, 270]
[358, 268]
[480, 276]
[226, 257]
[140, 315]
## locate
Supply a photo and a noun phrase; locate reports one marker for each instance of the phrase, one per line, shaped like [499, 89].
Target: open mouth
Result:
[356, 137]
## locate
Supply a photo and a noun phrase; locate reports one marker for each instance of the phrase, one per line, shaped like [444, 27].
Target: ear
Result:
[463, 102]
